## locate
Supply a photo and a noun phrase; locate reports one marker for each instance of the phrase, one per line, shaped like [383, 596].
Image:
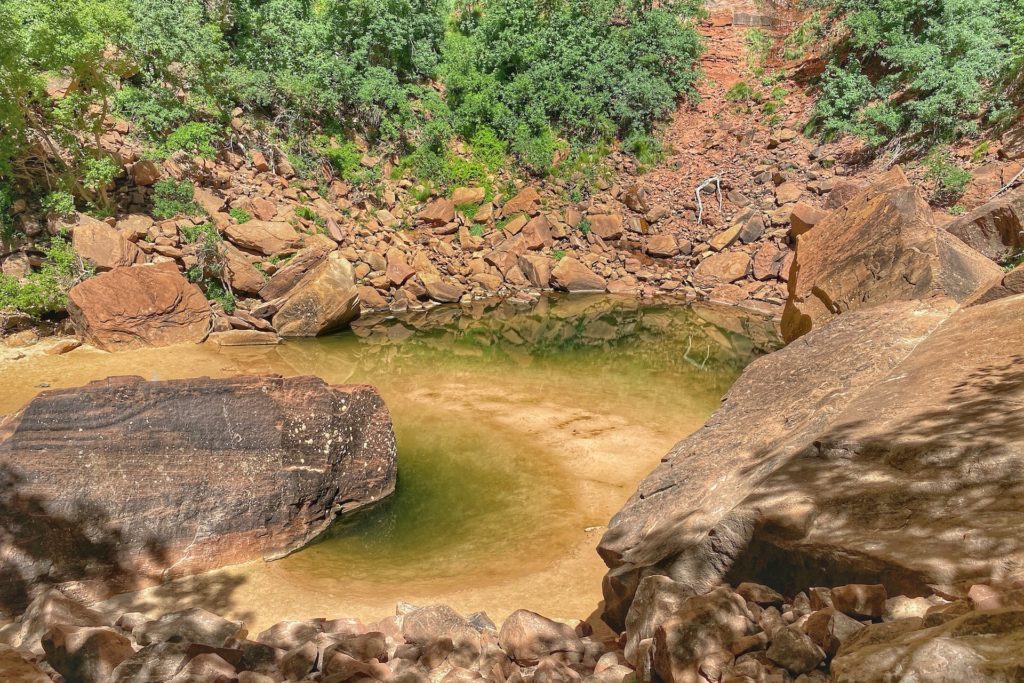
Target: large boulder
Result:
[883, 448]
[571, 275]
[995, 229]
[103, 246]
[325, 300]
[881, 246]
[131, 307]
[240, 272]
[143, 481]
[703, 626]
[305, 260]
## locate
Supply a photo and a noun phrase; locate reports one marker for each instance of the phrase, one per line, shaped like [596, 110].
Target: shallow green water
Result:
[479, 480]
[521, 430]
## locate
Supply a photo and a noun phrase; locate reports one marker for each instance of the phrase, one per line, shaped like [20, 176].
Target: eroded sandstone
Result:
[125, 482]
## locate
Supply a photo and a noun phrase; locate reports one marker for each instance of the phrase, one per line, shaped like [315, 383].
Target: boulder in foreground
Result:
[125, 482]
[884, 448]
[132, 307]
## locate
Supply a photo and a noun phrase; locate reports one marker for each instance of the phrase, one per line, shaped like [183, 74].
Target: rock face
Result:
[325, 300]
[881, 246]
[124, 482]
[995, 229]
[981, 646]
[883, 448]
[139, 306]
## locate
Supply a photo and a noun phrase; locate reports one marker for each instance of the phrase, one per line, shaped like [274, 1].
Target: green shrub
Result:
[537, 70]
[645, 148]
[45, 291]
[194, 138]
[154, 110]
[216, 291]
[740, 92]
[58, 203]
[759, 45]
[949, 180]
[174, 198]
[239, 215]
[920, 71]
[97, 177]
[6, 203]
[346, 160]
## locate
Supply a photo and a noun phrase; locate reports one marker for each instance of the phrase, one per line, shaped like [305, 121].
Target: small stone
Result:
[760, 595]
[795, 651]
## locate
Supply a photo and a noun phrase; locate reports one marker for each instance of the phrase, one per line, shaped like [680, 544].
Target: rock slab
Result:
[125, 482]
[882, 449]
[882, 246]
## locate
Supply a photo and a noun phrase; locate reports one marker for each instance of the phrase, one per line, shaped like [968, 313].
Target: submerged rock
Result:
[124, 482]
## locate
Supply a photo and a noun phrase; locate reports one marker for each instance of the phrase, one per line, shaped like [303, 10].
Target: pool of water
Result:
[521, 429]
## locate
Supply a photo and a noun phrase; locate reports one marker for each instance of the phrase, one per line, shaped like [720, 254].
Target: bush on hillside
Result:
[534, 70]
[919, 72]
[45, 291]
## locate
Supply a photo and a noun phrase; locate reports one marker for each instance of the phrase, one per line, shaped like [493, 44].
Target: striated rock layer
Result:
[125, 482]
[884, 447]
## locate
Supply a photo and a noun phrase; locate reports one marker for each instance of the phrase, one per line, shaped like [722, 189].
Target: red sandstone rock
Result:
[881, 246]
[103, 246]
[267, 238]
[150, 305]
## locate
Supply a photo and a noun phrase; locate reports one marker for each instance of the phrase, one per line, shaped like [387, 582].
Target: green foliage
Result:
[216, 292]
[645, 148]
[345, 160]
[558, 254]
[194, 138]
[803, 36]
[174, 198]
[45, 291]
[949, 179]
[477, 230]
[922, 71]
[58, 203]
[240, 215]
[533, 71]
[584, 226]
[740, 92]
[6, 202]
[98, 176]
[154, 109]
[759, 45]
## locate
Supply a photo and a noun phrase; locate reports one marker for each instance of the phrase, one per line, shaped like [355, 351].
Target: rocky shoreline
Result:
[750, 633]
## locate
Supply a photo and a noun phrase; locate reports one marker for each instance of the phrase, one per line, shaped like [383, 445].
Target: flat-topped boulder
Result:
[883, 448]
[125, 482]
[881, 246]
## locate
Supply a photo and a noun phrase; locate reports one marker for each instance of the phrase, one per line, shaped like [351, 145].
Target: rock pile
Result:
[747, 634]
